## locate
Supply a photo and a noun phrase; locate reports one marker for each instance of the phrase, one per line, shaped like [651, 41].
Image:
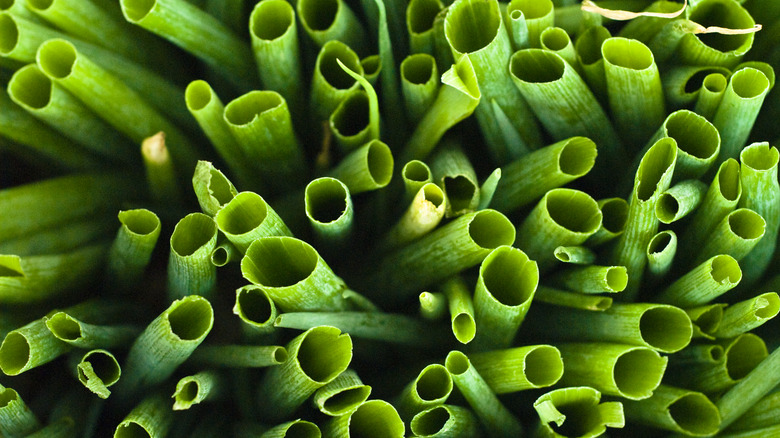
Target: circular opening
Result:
[695, 414]
[318, 15]
[749, 83]
[747, 224]
[280, 355]
[509, 276]
[139, 222]
[696, 80]
[136, 10]
[555, 39]
[271, 19]
[744, 354]
[767, 306]
[464, 327]
[434, 383]
[723, 14]
[191, 318]
[279, 261]
[64, 327]
[375, 419]
[660, 242]
[302, 429]
[104, 366]
[759, 156]
[574, 210]
[219, 187]
[588, 45]
[254, 305]
[242, 214]
[324, 353]
[725, 269]
[327, 200]
[250, 106]
[352, 115]
[9, 34]
[420, 15]
[30, 87]
[654, 165]
[709, 320]
[460, 191]
[531, 9]
[371, 65]
[617, 278]
[14, 353]
[457, 363]
[614, 214]
[543, 366]
[191, 233]
[714, 83]
[418, 68]
[716, 353]
[638, 372]
[40, 4]
[431, 421]
[472, 24]
[627, 53]
[346, 400]
[131, 430]
[693, 134]
[198, 95]
[577, 156]
[7, 396]
[330, 69]
[416, 171]
[728, 180]
[581, 418]
[56, 58]
[433, 194]
[380, 163]
[188, 392]
[491, 229]
[666, 208]
[666, 328]
[536, 66]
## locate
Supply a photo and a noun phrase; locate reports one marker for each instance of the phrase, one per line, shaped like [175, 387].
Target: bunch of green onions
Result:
[389, 218]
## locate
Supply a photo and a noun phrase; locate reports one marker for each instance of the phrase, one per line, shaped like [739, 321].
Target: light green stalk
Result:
[716, 49]
[350, 122]
[527, 179]
[444, 421]
[746, 315]
[493, 415]
[462, 243]
[677, 410]
[193, 389]
[454, 173]
[576, 300]
[190, 271]
[762, 414]
[739, 108]
[369, 167]
[683, 84]
[423, 215]
[593, 279]
[419, 83]
[274, 33]
[246, 218]
[432, 386]
[212, 188]
[314, 359]
[614, 212]
[736, 235]
[97, 370]
[538, 15]
[636, 98]
[520, 368]
[562, 101]
[555, 39]
[461, 309]
[761, 193]
[433, 305]
[330, 83]
[679, 200]
[712, 90]
[415, 174]
[296, 428]
[375, 418]
[160, 172]
[60, 239]
[151, 417]
[419, 24]
[563, 217]
[588, 48]
[475, 29]
[72, 330]
[328, 20]
[577, 255]
[256, 309]
[576, 412]
[706, 319]
[16, 418]
[132, 248]
[614, 369]
[197, 32]
[239, 356]
[652, 178]
[758, 383]
[660, 252]
[342, 395]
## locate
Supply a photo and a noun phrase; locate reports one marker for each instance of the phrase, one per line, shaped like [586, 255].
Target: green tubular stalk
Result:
[679, 200]
[16, 418]
[677, 410]
[716, 49]
[505, 289]
[190, 271]
[758, 383]
[314, 359]
[652, 178]
[328, 20]
[558, 41]
[419, 24]
[636, 98]
[432, 386]
[424, 213]
[682, 85]
[746, 315]
[706, 319]
[132, 248]
[273, 29]
[577, 255]
[614, 212]
[367, 168]
[329, 208]
[713, 87]
[151, 417]
[419, 83]
[476, 30]
[698, 143]
[588, 48]
[246, 218]
[660, 252]
[107, 95]
[239, 356]
[212, 188]
[462, 243]
[195, 31]
[376, 418]
[577, 412]
[415, 174]
[350, 122]
[44, 99]
[736, 235]
[262, 125]
[761, 193]
[194, 389]
[527, 179]
[342, 395]
[562, 101]
[331, 84]
[520, 368]
[576, 300]
[455, 174]
[461, 309]
[97, 370]
[562, 217]
[762, 414]
[444, 421]
[77, 333]
[593, 279]
[297, 428]
[160, 171]
[738, 109]
[538, 16]
[256, 309]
